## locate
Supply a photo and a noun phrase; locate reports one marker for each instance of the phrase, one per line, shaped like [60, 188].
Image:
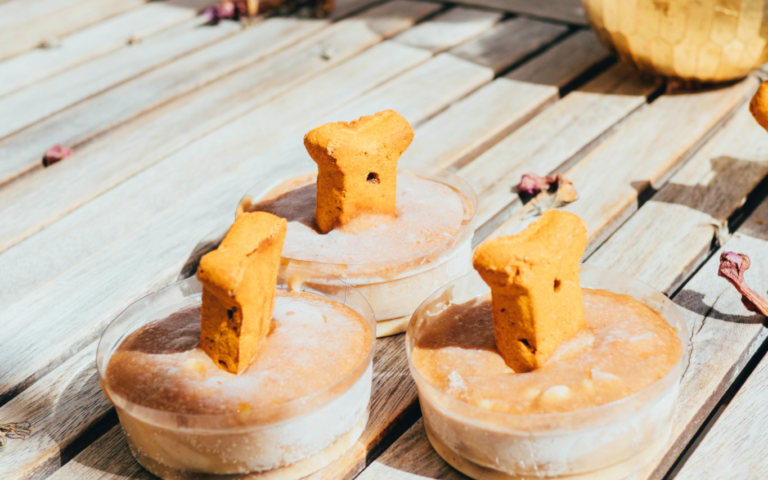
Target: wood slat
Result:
[95, 464]
[688, 214]
[92, 42]
[499, 108]
[60, 407]
[105, 111]
[125, 152]
[641, 154]
[45, 98]
[731, 448]
[582, 49]
[449, 29]
[513, 39]
[556, 137]
[24, 24]
[568, 11]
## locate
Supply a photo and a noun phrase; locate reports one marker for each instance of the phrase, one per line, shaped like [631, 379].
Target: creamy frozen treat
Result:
[266, 379]
[547, 374]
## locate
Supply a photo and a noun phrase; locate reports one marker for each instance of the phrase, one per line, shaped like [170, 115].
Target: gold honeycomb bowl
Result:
[698, 41]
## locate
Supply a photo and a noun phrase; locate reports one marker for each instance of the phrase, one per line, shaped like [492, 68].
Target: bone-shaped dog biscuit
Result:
[536, 295]
[357, 166]
[758, 106]
[239, 282]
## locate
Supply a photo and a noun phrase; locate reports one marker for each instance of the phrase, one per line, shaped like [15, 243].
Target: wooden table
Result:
[173, 120]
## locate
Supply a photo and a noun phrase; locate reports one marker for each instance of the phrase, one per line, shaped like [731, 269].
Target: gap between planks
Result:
[27, 106]
[407, 85]
[92, 42]
[24, 24]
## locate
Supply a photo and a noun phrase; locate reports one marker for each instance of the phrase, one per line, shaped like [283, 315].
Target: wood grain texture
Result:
[642, 154]
[410, 457]
[731, 447]
[448, 29]
[508, 43]
[568, 11]
[92, 42]
[109, 109]
[564, 62]
[558, 136]
[125, 152]
[502, 106]
[45, 98]
[24, 24]
[107, 459]
[60, 407]
[690, 212]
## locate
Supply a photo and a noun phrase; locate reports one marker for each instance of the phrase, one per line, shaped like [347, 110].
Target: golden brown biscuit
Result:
[239, 281]
[534, 280]
[357, 166]
[759, 105]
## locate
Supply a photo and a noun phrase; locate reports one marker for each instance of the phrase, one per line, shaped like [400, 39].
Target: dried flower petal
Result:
[532, 184]
[56, 154]
[13, 430]
[540, 194]
[732, 268]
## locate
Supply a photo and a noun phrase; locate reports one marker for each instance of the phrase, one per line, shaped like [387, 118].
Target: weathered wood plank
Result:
[127, 151]
[94, 41]
[61, 406]
[580, 50]
[105, 111]
[29, 105]
[94, 464]
[686, 216]
[26, 23]
[499, 108]
[731, 448]
[513, 39]
[568, 11]
[410, 457]
[559, 135]
[641, 154]
[448, 29]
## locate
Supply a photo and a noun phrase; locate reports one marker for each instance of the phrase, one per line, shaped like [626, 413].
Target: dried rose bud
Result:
[56, 154]
[532, 184]
[225, 10]
[540, 194]
[732, 268]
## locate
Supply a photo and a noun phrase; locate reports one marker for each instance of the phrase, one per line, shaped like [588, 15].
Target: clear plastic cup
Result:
[394, 288]
[610, 441]
[285, 441]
